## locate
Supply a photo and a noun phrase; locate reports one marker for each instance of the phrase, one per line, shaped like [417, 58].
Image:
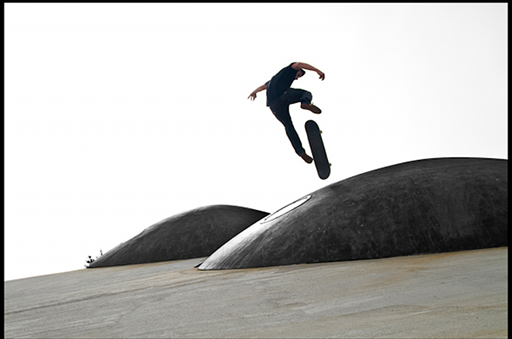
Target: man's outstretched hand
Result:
[252, 96]
[321, 74]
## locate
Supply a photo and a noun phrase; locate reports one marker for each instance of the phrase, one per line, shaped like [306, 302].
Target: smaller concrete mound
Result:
[193, 234]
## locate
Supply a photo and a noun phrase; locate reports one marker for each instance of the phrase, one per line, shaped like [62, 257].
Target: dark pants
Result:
[281, 109]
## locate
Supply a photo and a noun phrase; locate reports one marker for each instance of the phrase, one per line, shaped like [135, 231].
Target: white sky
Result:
[120, 115]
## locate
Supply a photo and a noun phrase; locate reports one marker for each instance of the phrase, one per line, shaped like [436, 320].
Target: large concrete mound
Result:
[193, 234]
[418, 207]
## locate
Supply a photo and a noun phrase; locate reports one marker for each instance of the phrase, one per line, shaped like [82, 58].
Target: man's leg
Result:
[293, 95]
[282, 113]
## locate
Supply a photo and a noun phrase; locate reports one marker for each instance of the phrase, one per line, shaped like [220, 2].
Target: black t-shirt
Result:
[280, 83]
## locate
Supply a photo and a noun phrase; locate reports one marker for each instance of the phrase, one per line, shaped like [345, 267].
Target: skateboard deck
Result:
[323, 167]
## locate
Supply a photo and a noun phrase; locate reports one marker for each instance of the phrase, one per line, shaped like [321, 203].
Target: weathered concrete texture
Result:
[425, 206]
[448, 295]
[193, 234]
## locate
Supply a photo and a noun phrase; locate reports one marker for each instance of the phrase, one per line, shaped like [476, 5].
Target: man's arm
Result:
[252, 96]
[299, 65]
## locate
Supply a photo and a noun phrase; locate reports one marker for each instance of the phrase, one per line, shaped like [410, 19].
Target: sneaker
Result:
[311, 108]
[306, 158]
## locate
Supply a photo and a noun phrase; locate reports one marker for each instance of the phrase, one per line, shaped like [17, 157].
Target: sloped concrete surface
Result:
[448, 295]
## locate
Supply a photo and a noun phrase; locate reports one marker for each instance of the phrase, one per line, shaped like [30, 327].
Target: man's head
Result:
[300, 73]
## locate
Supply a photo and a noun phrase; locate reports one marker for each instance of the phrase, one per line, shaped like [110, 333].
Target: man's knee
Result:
[306, 98]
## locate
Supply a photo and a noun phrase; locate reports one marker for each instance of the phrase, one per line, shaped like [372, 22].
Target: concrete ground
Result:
[447, 295]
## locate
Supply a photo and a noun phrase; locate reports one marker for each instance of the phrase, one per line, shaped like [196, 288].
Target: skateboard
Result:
[323, 167]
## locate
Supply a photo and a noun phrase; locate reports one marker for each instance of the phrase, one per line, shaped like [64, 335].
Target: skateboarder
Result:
[280, 96]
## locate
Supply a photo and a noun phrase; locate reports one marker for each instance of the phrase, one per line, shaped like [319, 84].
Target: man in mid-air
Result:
[280, 96]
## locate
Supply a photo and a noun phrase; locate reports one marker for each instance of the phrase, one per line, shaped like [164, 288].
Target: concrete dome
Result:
[424, 206]
[193, 234]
